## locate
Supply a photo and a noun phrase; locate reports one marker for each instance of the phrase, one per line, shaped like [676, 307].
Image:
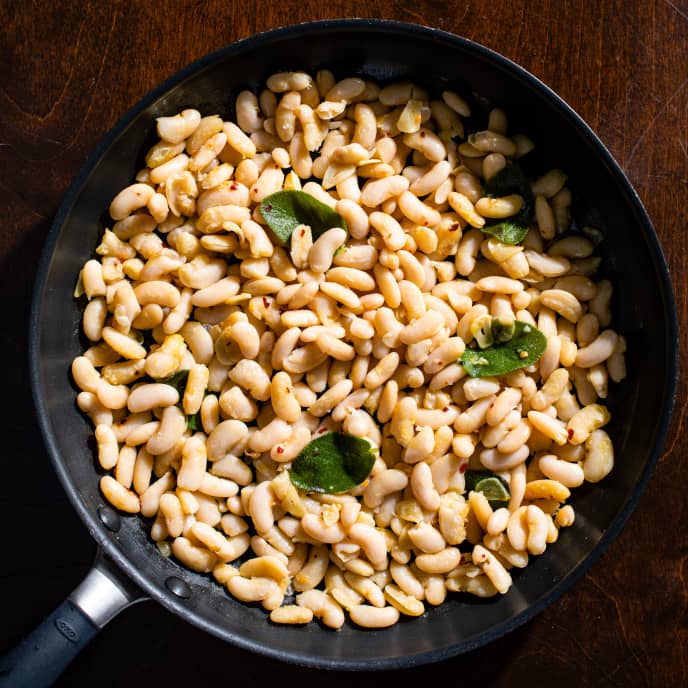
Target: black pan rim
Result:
[99, 532]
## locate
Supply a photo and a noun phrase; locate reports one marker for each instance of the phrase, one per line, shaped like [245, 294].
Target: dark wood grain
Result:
[69, 69]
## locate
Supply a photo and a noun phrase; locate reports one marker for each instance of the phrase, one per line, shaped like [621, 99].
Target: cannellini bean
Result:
[546, 489]
[426, 538]
[567, 473]
[248, 113]
[466, 210]
[417, 211]
[168, 432]
[291, 614]
[313, 571]
[119, 496]
[251, 376]
[599, 456]
[108, 450]
[372, 542]
[440, 562]
[319, 531]
[585, 421]
[383, 484]
[384, 369]
[496, 460]
[130, 199]
[276, 431]
[597, 351]
[537, 522]
[549, 184]
[403, 602]
[423, 488]
[516, 529]
[500, 285]
[495, 571]
[374, 617]
[323, 249]
[546, 265]
[125, 345]
[565, 517]
[424, 327]
[149, 396]
[548, 426]
[375, 192]
[263, 590]
[323, 607]
[178, 127]
[562, 302]
[193, 464]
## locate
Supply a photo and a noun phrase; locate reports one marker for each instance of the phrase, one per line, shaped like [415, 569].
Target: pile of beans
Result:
[356, 331]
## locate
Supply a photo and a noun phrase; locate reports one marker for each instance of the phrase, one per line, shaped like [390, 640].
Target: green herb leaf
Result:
[176, 380]
[495, 488]
[286, 210]
[508, 231]
[510, 180]
[194, 423]
[333, 463]
[522, 350]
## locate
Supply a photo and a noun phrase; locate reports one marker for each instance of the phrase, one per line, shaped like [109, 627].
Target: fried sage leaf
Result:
[194, 422]
[523, 349]
[176, 380]
[284, 211]
[510, 180]
[333, 463]
[495, 489]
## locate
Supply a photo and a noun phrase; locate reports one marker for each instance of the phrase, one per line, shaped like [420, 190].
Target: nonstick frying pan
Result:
[129, 566]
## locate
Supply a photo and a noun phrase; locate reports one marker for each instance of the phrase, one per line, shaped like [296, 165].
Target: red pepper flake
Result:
[570, 433]
[280, 449]
[302, 232]
[445, 409]
[321, 431]
[266, 303]
[454, 227]
[234, 186]
[255, 191]
[422, 134]
[463, 467]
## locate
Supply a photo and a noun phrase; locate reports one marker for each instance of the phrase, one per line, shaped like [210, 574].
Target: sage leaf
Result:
[284, 211]
[333, 463]
[177, 380]
[194, 422]
[510, 180]
[495, 488]
[523, 349]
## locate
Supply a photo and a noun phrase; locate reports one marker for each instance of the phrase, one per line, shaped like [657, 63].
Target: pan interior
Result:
[602, 197]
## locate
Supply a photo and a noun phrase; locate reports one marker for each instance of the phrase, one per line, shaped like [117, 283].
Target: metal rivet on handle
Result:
[110, 518]
[178, 587]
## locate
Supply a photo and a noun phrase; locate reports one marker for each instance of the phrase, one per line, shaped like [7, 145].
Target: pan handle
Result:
[39, 659]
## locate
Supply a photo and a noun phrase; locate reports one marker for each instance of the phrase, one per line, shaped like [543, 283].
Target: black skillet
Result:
[129, 567]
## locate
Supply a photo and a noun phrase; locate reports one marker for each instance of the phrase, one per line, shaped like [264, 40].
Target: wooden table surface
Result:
[69, 69]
